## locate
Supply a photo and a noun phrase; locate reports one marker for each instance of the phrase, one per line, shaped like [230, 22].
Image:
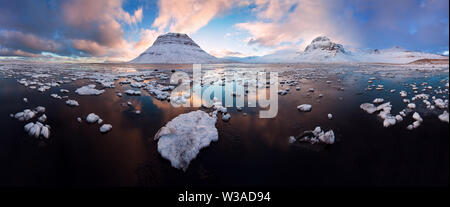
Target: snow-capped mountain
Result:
[324, 45]
[322, 49]
[175, 48]
[395, 54]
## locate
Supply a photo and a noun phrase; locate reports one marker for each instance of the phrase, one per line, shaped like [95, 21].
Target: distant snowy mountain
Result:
[175, 48]
[322, 49]
[395, 54]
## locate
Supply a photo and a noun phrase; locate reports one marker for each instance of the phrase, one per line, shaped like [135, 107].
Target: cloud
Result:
[67, 27]
[354, 23]
[9, 52]
[297, 20]
[15, 39]
[188, 16]
[226, 53]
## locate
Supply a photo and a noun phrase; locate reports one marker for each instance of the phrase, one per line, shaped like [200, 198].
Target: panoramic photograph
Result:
[235, 94]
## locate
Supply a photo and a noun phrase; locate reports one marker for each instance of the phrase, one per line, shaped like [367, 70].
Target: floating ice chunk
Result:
[79, 119]
[410, 127]
[45, 131]
[64, 91]
[304, 107]
[238, 108]
[399, 118]
[298, 88]
[420, 96]
[55, 96]
[72, 103]
[403, 94]
[292, 139]
[35, 130]
[282, 92]
[389, 121]
[133, 92]
[226, 117]
[92, 118]
[440, 103]
[40, 109]
[119, 94]
[25, 100]
[412, 105]
[392, 90]
[137, 85]
[368, 107]
[378, 100]
[417, 117]
[137, 112]
[42, 118]
[28, 126]
[89, 90]
[330, 116]
[25, 115]
[100, 121]
[311, 89]
[416, 124]
[105, 128]
[444, 116]
[327, 137]
[385, 107]
[317, 135]
[219, 108]
[182, 138]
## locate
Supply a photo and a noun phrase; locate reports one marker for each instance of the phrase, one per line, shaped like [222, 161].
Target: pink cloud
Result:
[188, 16]
[310, 19]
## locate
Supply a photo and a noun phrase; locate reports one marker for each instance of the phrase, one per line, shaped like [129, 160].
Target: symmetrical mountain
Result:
[175, 48]
[324, 44]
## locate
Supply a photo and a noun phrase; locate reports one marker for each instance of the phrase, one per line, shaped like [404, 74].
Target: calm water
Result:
[250, 151]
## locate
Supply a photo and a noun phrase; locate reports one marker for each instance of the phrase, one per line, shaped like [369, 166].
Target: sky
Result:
[119, 30]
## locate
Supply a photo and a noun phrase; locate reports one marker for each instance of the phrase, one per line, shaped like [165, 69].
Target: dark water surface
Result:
[250, 151]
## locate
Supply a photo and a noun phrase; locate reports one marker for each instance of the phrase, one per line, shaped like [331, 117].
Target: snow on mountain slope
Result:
[394, 55]
[175, 48]
[322, 49]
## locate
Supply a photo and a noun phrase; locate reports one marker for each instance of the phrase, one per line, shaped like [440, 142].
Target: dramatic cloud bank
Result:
[119, 30]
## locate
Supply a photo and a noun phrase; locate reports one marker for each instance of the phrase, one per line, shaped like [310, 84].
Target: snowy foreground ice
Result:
[181, 139]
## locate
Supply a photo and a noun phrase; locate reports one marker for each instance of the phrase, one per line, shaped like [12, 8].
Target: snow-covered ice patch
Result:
[304, 107]
[88, 90]
[72, 103]
[182, 138]
[105, 128]
[92, 118]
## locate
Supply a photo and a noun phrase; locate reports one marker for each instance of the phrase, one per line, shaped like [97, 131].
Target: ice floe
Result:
[444, 116]
[42, 118]
[25, 115]
[37, 129]
[378, 101]
[89, 90]
[304, 107]
[182, 138]
[315, 136]
[92, 118]
[368, 107]
[105, 128]
[226, 117]
[133, 92]
[72, 103]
